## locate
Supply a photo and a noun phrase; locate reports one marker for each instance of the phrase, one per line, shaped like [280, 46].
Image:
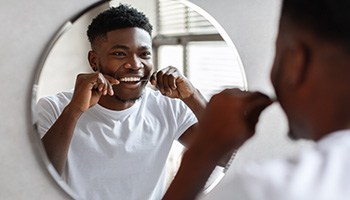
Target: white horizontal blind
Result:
[177, 18]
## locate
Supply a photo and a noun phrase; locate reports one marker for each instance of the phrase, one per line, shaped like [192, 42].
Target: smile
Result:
[130, 79]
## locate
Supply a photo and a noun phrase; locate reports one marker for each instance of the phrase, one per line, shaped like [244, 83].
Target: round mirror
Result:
[184, 36]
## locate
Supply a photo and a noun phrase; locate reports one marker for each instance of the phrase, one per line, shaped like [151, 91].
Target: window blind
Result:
[176, 18]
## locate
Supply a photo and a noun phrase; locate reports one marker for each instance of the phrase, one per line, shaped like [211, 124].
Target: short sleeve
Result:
[185, 118]
[45, 116]
[48, 109]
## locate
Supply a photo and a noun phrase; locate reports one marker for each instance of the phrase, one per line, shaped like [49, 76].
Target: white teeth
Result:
[130, 79]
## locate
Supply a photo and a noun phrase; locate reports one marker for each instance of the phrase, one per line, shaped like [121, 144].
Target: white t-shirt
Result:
[120, 154]
[321, 172]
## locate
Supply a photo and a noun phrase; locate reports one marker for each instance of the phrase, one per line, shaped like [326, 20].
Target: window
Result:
[188, 41]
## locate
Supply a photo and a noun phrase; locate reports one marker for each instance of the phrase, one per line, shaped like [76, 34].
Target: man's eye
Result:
[146, 54]
[119, 53]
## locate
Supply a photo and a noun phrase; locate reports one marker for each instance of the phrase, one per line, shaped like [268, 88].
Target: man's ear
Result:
[298, 64]
[93, 60]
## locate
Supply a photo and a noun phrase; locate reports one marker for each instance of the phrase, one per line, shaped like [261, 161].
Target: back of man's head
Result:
[123, 16]
[311, 71]
[327, 19]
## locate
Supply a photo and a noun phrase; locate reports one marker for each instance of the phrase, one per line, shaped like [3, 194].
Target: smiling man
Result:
[109, 138]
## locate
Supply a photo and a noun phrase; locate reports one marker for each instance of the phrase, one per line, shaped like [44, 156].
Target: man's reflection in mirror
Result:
[110, 136]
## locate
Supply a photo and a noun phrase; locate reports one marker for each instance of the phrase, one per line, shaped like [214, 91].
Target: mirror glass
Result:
[184, 36]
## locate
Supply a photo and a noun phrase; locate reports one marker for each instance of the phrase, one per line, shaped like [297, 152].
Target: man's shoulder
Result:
[151, 92]
[61, 98]
[154, 94]
[154, 97]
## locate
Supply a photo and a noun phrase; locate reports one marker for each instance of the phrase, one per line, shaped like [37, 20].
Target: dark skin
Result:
[311, 78]
[311, 73]
[120, 60]
[229, 120]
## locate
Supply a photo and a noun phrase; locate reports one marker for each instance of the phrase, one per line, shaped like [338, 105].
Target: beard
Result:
[127, 100]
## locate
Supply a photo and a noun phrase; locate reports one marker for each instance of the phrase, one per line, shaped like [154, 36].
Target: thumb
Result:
[153, 79]
[252, 115]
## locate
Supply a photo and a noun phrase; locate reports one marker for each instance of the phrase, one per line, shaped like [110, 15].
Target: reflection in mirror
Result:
[184, 36]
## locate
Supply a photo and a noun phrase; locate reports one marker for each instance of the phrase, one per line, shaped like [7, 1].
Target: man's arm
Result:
[197, 104]
[87, 92]
[196, 167]
[228, 121]
[57, 139]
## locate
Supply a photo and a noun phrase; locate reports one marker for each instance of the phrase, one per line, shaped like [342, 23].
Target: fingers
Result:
[231, 116]
[257, 104]
[251, 103]
[104, 83]
[170, 79]
[153, 79]
[100, 83]
[111, 81]
[165, 80]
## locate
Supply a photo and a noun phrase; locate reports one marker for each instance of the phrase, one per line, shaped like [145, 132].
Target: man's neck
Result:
[115, 103]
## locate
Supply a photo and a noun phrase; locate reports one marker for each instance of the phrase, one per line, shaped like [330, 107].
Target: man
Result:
[110, 137]
[311, 78]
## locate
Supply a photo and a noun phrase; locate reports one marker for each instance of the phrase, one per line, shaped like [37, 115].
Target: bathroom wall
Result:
[27, 27]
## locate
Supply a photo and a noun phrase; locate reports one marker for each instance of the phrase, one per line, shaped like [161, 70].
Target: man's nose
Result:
[134, 63]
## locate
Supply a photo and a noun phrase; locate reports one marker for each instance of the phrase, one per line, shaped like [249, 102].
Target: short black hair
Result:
[123, 16]
[327, 19]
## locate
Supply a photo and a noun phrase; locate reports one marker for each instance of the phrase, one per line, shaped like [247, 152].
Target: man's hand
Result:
[172, 83]
[89, 88]
[230, 119]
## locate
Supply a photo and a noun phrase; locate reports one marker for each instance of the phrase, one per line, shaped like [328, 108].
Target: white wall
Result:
[27, 27]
